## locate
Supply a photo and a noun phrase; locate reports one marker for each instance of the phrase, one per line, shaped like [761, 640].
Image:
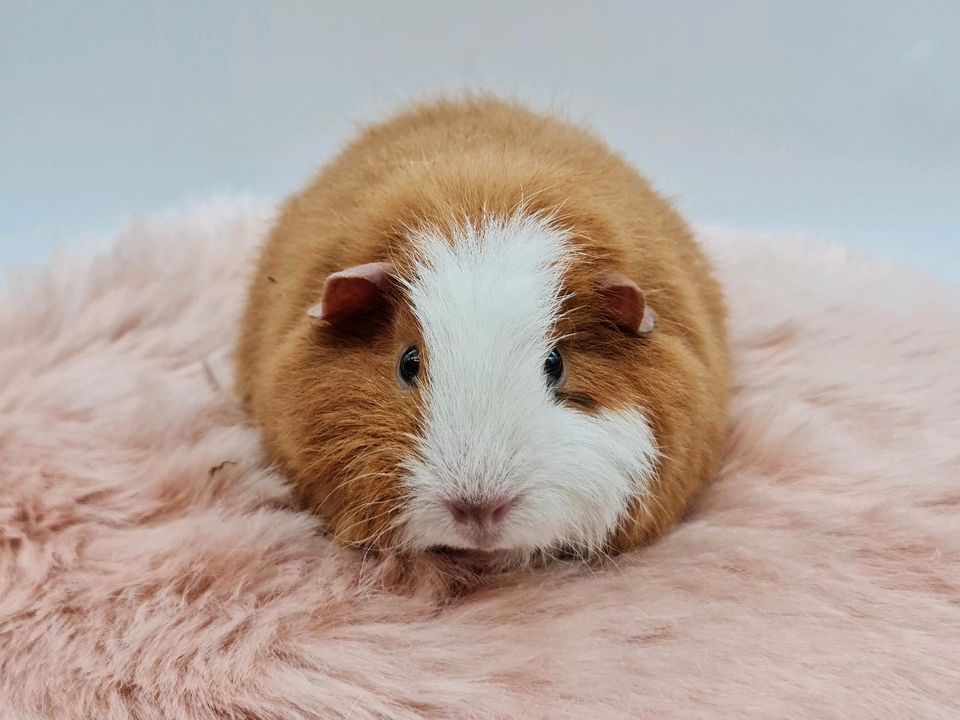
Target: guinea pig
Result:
[478, 328]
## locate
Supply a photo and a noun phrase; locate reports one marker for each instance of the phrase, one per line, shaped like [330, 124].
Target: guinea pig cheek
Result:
[596, 464]
[569, 478]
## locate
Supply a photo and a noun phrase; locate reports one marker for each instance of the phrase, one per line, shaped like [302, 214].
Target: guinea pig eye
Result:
[553, 368]
[409, 366]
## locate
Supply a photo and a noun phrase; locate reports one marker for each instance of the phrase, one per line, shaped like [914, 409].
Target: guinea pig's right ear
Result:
[355, 291]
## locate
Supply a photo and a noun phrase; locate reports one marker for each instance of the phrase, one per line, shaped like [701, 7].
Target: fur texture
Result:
[151, 566]
[540, 214]
[487, 305]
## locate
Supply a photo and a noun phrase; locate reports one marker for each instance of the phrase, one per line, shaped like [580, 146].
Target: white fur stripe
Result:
[487, 301]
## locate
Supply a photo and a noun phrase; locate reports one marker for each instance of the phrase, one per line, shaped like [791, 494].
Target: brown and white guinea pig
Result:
[479, 328]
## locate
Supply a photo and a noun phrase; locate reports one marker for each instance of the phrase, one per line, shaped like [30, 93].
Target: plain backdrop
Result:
[839, 120]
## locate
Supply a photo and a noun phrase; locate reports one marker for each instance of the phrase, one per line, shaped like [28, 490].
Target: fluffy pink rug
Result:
[150, 566]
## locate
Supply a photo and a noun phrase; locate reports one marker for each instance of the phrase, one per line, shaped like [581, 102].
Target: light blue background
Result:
[835, 120]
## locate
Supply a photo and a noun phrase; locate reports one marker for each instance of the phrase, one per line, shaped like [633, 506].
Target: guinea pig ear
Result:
[354, 291]
[627, 305]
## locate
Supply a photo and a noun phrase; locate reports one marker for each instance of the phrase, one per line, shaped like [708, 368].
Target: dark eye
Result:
[409, 365]
[553, 368]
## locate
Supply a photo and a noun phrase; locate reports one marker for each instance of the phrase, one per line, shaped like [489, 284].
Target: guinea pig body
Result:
[479, 328]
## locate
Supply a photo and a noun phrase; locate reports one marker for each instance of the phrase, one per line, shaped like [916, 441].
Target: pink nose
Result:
[482, 513]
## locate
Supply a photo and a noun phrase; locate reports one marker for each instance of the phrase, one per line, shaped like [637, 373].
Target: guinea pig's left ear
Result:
[627, 305]
[354, 291]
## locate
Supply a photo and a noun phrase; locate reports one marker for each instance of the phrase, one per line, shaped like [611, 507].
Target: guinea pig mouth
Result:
[482, 561]
[483, 539]
[471, 553]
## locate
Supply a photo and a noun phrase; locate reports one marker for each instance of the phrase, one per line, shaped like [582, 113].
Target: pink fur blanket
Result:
[151, 566]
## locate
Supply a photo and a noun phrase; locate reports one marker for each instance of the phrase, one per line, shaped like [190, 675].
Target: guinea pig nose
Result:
[480, 512]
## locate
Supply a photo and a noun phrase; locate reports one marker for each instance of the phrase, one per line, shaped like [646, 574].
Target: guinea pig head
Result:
[475, 423]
